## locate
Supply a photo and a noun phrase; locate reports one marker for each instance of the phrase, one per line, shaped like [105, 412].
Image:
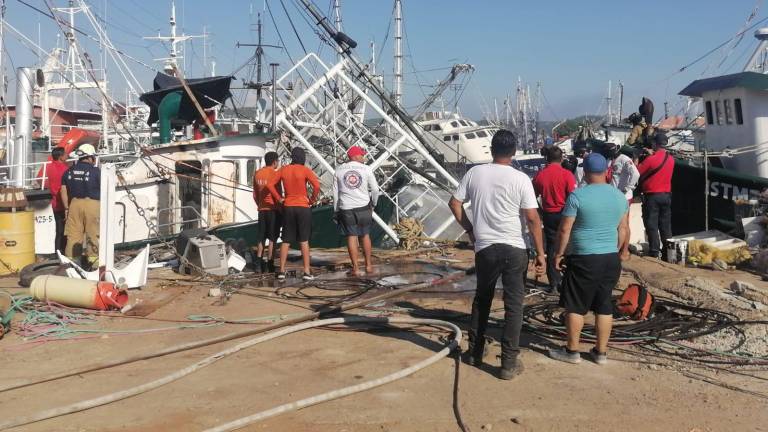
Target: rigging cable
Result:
[295, 32]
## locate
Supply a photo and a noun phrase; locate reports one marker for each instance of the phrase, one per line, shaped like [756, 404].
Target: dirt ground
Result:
[630, 393]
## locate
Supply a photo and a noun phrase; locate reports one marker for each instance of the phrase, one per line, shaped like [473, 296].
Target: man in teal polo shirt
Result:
[596, 224]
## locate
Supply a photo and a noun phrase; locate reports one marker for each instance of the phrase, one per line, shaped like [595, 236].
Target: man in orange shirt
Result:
[269, 214]
[297, 215]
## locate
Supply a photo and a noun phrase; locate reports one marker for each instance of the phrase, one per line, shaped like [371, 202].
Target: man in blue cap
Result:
[595, 225]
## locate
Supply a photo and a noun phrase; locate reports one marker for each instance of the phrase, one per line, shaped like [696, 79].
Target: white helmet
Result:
[85, 150]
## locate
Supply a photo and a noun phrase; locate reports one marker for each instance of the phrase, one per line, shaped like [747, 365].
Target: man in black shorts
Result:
[269, 213]
[595, 222]
[355, 192]
[296, 179]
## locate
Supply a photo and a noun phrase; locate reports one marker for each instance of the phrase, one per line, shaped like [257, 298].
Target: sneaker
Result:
[308, 277]
[565, 355]
[281, 276]
[598, 357]
[511, 369]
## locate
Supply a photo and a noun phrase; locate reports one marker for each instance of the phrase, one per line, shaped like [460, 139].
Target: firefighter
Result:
[80, 194]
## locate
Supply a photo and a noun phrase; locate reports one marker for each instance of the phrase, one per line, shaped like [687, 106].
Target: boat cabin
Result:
[736, 113]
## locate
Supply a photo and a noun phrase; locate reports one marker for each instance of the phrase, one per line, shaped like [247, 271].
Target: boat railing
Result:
[198, 220]
[34, 178]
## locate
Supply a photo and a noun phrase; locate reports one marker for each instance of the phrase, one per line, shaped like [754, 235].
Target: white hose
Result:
[137, 390]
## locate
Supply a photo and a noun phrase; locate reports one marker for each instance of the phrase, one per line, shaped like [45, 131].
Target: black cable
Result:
[708, 53]
[456, 406]
[279, 35]
[290, 20]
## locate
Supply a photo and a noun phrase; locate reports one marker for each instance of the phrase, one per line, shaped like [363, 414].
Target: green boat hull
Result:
[325, 234]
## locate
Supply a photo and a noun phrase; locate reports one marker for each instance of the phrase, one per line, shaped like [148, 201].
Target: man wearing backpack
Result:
[656, 185]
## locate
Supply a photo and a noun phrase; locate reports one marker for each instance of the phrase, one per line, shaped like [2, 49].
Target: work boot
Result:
[473, 356]
[511, 368]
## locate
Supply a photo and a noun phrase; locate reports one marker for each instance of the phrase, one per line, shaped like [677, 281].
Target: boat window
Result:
[455, 124]
[718, 112]
[436, 127]
[482, 134]
[250, 168]
[463, 123]
[469, 136]
[728, 111]
[447, 138]
[710, 118]
[455, 137]
[739, 114]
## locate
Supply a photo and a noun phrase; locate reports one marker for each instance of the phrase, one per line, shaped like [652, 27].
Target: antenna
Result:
[757, 62]
[172, 61]
[259, 54]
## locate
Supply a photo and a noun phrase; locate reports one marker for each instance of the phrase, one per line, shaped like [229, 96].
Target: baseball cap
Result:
[355, 151]
[595, 163]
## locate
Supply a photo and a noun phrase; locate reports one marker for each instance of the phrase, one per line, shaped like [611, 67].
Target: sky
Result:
[572, 48]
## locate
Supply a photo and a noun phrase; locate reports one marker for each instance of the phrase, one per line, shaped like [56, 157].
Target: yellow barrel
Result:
[17, 240]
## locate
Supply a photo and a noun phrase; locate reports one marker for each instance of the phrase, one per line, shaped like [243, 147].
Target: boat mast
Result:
[3, 80]
[621, 102]
[259, 55]
[398, 53]
[608, 101]
[339, 55]
[259, 84]
[174, 39]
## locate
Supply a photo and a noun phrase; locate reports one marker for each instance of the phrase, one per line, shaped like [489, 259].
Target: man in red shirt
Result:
[269, 213]
[297, 215]
[553, 184]
[54, 171]
[656, 185]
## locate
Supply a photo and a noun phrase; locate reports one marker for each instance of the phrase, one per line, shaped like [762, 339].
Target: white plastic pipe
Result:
[143, 388]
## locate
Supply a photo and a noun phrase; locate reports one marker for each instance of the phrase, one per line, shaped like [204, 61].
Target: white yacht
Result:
[458, 139]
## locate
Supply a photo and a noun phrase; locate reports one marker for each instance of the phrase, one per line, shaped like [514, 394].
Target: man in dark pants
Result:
[54, 172]
[553, 184]
[656, 184]
[501, 200]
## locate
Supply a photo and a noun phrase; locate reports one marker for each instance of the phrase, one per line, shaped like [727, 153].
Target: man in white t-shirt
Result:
[355, 192]
[502, 202]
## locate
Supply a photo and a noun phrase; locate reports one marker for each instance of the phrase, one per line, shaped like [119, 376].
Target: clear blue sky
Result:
[572, 47]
